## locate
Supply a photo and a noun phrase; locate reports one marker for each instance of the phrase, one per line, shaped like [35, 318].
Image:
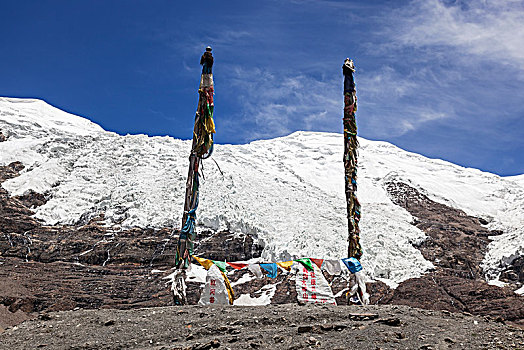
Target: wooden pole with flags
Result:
[201, 148]
[350, 160]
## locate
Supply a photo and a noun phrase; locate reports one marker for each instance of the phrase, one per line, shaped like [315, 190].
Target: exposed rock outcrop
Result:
[456, 245]
[62, 267]
[456, 242]
[456, 294]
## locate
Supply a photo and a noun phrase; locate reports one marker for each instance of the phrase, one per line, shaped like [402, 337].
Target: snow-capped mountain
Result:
[287, 191]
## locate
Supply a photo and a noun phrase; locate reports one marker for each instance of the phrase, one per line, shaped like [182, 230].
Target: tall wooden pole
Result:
[350, 160]
[201, 148]
[184, 248]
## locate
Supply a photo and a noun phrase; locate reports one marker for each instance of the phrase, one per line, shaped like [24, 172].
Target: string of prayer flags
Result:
[331, 266]
[311, 285]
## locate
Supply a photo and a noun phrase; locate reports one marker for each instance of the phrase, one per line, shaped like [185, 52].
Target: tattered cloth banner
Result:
[237, 266]
[332, 267]
[312, 287]
[215, 291]
[352, 264]
[220, 266]
[255, 270]
[286, 265]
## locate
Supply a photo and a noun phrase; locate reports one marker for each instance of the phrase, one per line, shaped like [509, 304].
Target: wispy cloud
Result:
[224, 38]
[419, 63]
[439, 60]
[489, 30]
[279, 103]
[393, 104]
[387, 82]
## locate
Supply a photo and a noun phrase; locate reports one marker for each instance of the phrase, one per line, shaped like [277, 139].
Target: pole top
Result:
[348, 64]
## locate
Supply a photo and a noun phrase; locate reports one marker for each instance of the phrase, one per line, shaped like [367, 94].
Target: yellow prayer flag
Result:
[286, 265]
[206, 263]
[230, 293]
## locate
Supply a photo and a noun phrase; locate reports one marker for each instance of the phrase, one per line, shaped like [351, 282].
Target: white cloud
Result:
[392, 104]
[278, 104]
[490, 30]
[281, 103]
[440, 59]
[386, 83]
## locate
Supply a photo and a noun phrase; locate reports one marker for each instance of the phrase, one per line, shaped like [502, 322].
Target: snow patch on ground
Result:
[196, 273]
[520, 291]
[266, 294]
[244, 279]
[496, 282]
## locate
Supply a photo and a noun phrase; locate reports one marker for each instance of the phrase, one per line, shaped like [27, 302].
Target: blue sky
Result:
[441, 78]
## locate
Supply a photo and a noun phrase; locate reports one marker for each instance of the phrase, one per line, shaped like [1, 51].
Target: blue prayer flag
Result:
[271, 269]
[352, 264]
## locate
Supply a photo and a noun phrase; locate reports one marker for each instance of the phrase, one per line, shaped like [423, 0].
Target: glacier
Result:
[287, 192]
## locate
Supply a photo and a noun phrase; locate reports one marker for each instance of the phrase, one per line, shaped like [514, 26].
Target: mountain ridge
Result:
[84, 218]
[136, 180]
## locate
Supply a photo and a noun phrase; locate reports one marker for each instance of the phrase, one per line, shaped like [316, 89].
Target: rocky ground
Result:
[287, 326]
[90, 266]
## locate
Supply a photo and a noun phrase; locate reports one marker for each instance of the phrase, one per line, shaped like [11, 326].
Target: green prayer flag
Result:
[221, 265]
[306, 262]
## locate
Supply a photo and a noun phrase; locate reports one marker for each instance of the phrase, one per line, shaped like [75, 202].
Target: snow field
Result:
[287, 191]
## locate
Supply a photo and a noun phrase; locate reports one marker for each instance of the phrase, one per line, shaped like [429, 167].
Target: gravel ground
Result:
[269, 327]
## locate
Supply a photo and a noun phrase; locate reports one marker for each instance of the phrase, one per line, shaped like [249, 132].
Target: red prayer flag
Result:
[317, 262]
[237, 266]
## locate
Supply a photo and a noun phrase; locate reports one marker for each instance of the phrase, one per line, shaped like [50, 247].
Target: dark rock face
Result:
[455, 294]
[15, 217]
[2, 137]
[32, 199]
[225, 245]
[10, 171]
[63, 267]
[32, 286]
[456, 245]
[514, 272]
[52, 268]
[451, 232]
